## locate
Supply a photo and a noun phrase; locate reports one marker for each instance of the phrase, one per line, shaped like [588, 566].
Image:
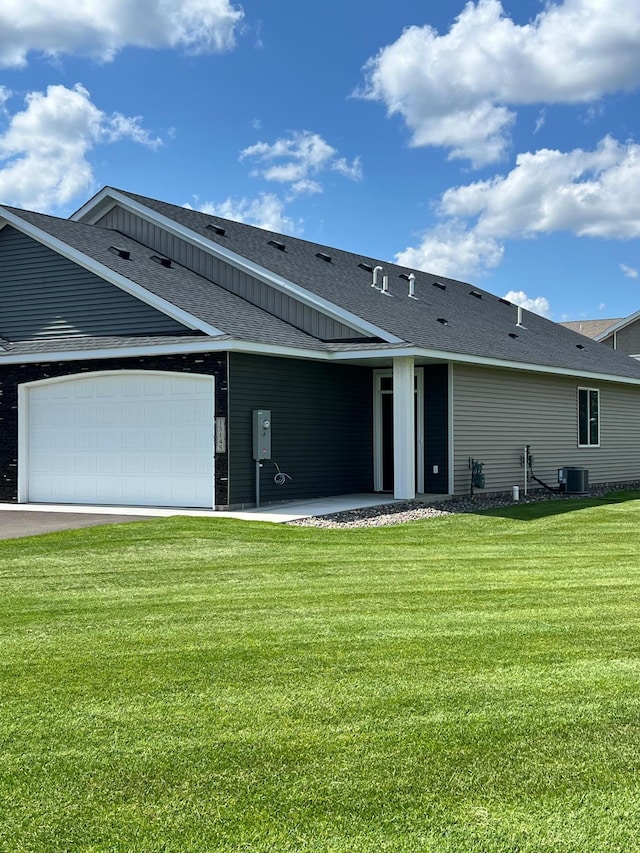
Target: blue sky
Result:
[493, 142]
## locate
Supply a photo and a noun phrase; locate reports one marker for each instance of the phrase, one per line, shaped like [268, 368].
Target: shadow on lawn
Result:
[558, 506]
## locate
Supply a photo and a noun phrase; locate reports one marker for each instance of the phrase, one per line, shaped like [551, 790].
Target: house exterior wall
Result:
[252, 289]
[12, 375]
[322, 427]
[627, 339]
[497, 412]
[44, 295]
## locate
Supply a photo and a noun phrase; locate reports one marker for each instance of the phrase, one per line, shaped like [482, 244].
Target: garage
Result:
[135, 438]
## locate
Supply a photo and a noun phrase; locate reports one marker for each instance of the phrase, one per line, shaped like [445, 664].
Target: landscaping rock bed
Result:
[403, 511]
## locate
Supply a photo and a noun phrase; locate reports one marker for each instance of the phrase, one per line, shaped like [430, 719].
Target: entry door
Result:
[383, 430]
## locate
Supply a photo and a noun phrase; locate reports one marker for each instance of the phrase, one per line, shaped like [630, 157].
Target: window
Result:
[588, 417]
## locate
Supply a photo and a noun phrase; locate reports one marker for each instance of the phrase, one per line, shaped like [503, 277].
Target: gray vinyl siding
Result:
[248, 287]
[498, 412]
[628, 339]
[44, 295]
[322, 427]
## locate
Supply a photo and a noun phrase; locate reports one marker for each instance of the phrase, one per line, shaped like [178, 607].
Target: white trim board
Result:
[377, 355]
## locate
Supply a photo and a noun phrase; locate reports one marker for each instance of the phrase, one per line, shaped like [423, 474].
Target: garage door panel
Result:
[121, 439]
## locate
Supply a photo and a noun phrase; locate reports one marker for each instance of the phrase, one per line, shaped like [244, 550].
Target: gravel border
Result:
[401, 512]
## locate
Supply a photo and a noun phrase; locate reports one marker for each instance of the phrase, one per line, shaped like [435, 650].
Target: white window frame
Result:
[589, 391]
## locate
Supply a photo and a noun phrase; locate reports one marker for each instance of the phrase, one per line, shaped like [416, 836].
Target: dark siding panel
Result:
[44, 295]
[322, 432]
[436, 427]
[252, 289]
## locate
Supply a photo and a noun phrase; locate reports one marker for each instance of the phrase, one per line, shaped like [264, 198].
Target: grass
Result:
[468, 683]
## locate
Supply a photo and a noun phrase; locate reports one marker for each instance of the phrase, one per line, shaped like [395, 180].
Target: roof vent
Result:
[323, 257]
[443, 321]
[374, 280]
[217, 230]
[277, 245]
[439, 285]
[385, 285]
[579, 346]
[504, 301]
[164, 262]
[121, 253]
[366, 267]
[513, 335]
[519, 322]
[475, 293]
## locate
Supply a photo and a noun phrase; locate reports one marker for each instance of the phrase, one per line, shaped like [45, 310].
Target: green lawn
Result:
[468, 683]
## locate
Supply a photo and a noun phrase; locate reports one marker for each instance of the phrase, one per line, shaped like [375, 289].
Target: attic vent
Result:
[366, 267]
[504, 301]
[323, 257]
[217, 230]
[579, 346]
[277, 245]
[443, 321]
[164, 262]
[439, 285]
[475, 293]
[404, 275]
[122, 253]
[513, 335]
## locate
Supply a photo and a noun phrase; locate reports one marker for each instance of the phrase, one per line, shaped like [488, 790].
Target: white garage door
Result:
[139, 439]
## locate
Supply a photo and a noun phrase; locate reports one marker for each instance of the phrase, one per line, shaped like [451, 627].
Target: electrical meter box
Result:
[261, 434]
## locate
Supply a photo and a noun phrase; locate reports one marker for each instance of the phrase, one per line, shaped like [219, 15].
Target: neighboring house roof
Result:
[594, 329]
[447, 319]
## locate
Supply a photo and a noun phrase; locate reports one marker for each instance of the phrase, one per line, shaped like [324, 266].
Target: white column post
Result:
[404, 441]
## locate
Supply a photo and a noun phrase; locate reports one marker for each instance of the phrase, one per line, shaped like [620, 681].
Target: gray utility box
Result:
[575, 480]
[261, 434]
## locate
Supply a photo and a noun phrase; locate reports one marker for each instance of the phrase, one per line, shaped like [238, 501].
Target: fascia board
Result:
[96, 208]
[621, 324]
[118, 280]
[482, 361]
[226, 345]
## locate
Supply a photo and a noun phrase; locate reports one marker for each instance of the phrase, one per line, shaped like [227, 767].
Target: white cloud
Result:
[43, 150]
[101, 28]
[588, 193]
[455, 90]
[629, 272]
[451, 250]
[265, 211]
[297, 160]
[539, 304]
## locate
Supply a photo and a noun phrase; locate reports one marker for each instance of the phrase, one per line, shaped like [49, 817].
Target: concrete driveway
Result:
[15, 524]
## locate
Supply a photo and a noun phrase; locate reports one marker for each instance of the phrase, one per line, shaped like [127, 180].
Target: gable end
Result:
[44, 295]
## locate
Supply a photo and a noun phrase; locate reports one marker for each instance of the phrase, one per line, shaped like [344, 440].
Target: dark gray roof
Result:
[185, 289]
[448, 316]
[479, 325]
[80, 344]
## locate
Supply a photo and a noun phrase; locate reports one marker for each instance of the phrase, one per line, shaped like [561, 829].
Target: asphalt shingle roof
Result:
[448, 316]
[179, 286]
[482, 326]
[590, 328]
